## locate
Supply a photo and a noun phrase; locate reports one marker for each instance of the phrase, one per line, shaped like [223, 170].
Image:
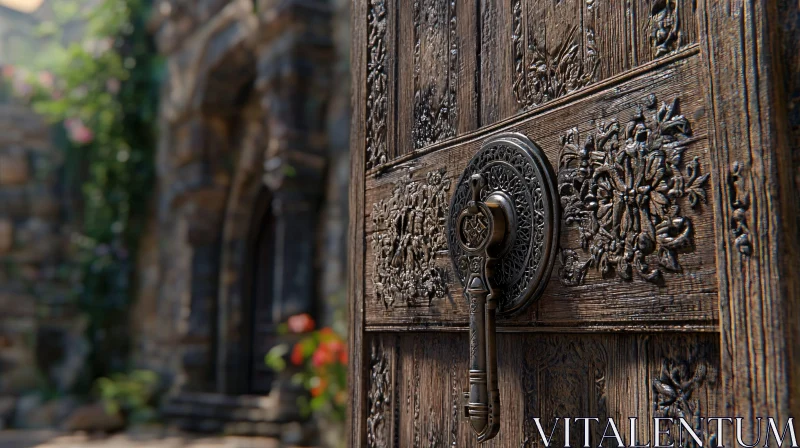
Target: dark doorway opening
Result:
[259, 295]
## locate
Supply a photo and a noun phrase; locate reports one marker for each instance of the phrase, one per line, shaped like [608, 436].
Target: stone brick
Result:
[6, 235]
[45, 207]
[16, 306]
[14, 168]
[15, 201]
[36, 241]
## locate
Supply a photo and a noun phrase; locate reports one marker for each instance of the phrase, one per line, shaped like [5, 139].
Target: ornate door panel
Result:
[661, 127]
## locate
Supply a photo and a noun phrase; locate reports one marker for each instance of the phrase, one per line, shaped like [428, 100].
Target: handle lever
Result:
[502, 233]
[483, 229]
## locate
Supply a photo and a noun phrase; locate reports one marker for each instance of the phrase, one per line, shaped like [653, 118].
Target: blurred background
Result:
[173, 215]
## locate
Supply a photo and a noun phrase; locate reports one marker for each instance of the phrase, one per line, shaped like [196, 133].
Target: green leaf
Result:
[275, 358]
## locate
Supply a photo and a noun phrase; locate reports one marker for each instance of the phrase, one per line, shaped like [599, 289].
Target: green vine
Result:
[103, 88]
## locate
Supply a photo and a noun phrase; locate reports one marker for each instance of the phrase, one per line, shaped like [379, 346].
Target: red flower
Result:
[343, 357]
[335, 346]
[300, 323]
[322, 356]
[329, 352]
[297, 355]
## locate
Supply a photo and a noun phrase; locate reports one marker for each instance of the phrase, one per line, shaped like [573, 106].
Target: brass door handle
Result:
[482, 229]
[502, 233]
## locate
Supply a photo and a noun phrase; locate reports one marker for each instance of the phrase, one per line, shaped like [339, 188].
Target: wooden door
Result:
[670, 291]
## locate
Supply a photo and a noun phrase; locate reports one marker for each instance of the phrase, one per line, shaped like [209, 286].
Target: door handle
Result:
[483, 228]
[502, 234]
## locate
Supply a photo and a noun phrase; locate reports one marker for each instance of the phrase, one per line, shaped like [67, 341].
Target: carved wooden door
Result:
[666, 291]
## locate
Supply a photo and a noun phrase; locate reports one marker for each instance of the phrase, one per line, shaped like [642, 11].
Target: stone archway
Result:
[237, 137]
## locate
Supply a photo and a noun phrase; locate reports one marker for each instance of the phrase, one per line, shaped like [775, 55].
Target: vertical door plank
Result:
[608, 34]
[551, 63]
[467, 48]
[356, 370]
[393, 81]
[754, 209]
[371, 43]
[496, 61]
[660, 28]
[436, 54]
[405, 78]
[382, 399]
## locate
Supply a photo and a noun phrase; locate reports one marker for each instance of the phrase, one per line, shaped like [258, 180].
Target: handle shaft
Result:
[483, 226]
[483, 408]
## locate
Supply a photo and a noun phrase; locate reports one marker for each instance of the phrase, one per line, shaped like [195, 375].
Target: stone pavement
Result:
[51, 439]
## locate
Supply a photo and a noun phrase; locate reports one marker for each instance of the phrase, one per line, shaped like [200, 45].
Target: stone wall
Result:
[256, 102]
[39, 337]
[255, 105]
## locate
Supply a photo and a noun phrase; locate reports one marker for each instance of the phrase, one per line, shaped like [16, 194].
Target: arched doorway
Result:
[259, 295]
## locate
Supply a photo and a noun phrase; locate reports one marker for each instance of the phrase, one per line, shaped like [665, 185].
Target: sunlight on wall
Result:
[22, 5]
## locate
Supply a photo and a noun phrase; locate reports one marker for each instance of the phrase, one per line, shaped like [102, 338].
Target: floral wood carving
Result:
[434, 100]
[542, 74]
[379, 398]
[409, 231]
[377, 105]
[666, 26]
[740, 203]
[673, 388]
[622, 188]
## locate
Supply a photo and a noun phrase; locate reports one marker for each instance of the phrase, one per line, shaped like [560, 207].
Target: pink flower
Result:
[78, 132]
[46, 80]
[300, 323]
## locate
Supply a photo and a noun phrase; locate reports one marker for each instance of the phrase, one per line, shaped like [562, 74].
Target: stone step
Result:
[239, 415]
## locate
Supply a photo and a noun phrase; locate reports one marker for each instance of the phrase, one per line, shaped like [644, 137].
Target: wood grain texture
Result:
[721, 327]
[356, 416]
[496, 99]
[378, 96]
[545, 376]
[660, 28]
[452, 66]
[688, 297]
[435, 72]
[544, 49]
[758, 293]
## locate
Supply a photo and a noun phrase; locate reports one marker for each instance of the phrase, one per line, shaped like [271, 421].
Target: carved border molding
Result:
[409, 229]
[379, 397]
[740, 204]
[377, 101]
[679, 378]
[665, 26]
[434, 106]
[622, 189]
[555, 385]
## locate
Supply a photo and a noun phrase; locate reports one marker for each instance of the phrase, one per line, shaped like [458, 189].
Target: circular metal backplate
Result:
[515, 167]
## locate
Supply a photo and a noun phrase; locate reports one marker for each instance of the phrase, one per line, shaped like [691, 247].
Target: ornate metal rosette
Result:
[513, 166]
